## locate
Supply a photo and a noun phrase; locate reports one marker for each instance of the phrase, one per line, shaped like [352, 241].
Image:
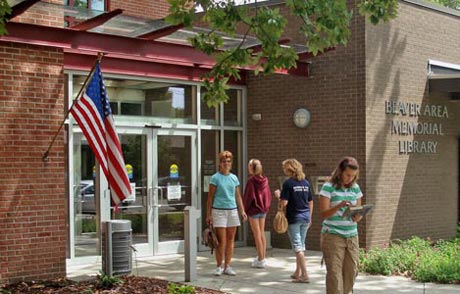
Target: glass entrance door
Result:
[174, 179]
[160, 166]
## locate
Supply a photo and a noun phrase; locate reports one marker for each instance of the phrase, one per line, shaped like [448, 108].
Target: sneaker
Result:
[229, 271]
[218, 271]
[261, 263]
[258, 263]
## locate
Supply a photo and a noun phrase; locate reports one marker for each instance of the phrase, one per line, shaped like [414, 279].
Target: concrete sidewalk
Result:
[273, 279]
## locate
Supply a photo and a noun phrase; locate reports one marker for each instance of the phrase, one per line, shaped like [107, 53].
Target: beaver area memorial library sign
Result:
[406, 123]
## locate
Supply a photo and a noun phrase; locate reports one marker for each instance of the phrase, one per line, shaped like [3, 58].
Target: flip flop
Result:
[298, 280]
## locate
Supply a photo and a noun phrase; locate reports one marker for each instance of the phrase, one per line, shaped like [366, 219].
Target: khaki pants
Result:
[341, 257]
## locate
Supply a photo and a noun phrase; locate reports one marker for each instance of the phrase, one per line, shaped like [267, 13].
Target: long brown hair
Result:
[294, 169]
[336, 177]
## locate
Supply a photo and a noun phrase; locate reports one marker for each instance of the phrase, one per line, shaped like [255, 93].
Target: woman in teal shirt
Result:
[222, 211]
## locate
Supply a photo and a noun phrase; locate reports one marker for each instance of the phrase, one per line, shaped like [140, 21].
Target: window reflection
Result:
[232, 109]
[164, 102]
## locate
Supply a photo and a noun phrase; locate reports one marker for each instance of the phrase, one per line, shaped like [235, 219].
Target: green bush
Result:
[441, 264]
[416, 258]
[138, 222]
[88, 225]
[182, 289]
[106, 281]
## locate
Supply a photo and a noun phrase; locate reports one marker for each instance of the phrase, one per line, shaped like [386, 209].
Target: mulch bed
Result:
[130, 285]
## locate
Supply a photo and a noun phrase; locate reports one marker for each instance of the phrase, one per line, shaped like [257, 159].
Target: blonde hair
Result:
[336, 177]
[256, 167]
[294, 169]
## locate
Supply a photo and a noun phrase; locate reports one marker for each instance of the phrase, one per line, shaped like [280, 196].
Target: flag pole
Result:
[99, 57]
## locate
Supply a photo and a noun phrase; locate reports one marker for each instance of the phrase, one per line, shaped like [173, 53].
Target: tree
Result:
[325, 24]
[5, 10]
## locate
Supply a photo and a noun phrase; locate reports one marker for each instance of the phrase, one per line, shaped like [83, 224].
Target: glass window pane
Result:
[131, 109]
[84, 198]
[175, 102]
[209, 115]
[79, 3]
[233, 143]
[233, 109]
[98, 5]
[162, 102]
[114, 107]
[135, 209]
[175, 182]
[210, 148]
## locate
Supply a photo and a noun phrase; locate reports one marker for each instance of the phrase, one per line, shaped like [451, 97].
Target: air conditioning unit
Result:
[116, 247]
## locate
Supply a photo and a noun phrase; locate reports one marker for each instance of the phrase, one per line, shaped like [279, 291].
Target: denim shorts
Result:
[259, 215]
[297, 234]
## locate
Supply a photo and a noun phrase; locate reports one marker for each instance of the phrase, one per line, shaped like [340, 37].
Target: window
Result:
[73, 18]
[90, 4]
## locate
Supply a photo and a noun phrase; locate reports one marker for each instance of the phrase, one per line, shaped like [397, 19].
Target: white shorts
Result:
[225, 218]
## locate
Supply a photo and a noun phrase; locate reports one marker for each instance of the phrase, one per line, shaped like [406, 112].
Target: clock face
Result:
[301, 117]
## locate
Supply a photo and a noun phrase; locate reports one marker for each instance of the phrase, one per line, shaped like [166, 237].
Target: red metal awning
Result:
[131, 45]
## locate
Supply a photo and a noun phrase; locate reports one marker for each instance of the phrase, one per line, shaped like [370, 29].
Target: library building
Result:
[390, 98]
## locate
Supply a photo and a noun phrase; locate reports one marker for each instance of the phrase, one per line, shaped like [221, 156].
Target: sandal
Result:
[301, 281]
[294, 277]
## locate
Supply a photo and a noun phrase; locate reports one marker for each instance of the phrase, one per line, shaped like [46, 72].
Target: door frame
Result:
[169, 247]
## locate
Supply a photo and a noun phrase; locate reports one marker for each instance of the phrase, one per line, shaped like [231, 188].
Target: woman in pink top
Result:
[256, 201]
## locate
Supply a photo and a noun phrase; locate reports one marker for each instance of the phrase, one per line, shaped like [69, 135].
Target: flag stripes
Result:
[94, 116]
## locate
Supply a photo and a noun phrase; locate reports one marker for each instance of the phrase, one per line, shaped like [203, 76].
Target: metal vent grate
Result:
[116, 247]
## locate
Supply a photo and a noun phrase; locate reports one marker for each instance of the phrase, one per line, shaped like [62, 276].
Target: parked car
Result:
[88, 202]
[87, 199]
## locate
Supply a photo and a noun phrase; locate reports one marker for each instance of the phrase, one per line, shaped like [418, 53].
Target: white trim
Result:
[440, 8]
[444, 64]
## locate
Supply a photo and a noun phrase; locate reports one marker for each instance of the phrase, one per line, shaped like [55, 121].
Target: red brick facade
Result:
[33, 234]
[334, 93]
[415, 194]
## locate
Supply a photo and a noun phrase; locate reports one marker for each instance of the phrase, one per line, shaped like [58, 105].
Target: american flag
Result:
[93, 114]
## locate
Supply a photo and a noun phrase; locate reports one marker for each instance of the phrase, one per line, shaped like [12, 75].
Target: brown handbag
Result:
[210, 239]
[280, 223]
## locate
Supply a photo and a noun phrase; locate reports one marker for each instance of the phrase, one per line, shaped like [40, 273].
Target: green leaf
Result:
[324, 24]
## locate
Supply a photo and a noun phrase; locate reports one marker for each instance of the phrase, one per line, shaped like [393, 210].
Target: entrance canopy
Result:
[444, 77]
[131, 45]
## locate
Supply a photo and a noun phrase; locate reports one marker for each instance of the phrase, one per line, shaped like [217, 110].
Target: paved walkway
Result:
[273, 279]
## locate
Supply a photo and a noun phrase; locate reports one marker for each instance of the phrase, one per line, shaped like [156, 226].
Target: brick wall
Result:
[143, 8]
[52, 15]
[415, 194]
[33, 203]
[47, 15]
[334, 95]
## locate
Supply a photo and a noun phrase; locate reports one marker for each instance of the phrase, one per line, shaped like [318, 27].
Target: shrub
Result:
[106, 281]
[182, 289]
[441, 264]
[398, 258]
[416, 258]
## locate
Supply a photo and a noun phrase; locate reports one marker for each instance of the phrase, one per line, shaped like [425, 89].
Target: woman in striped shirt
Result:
[340, 244]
